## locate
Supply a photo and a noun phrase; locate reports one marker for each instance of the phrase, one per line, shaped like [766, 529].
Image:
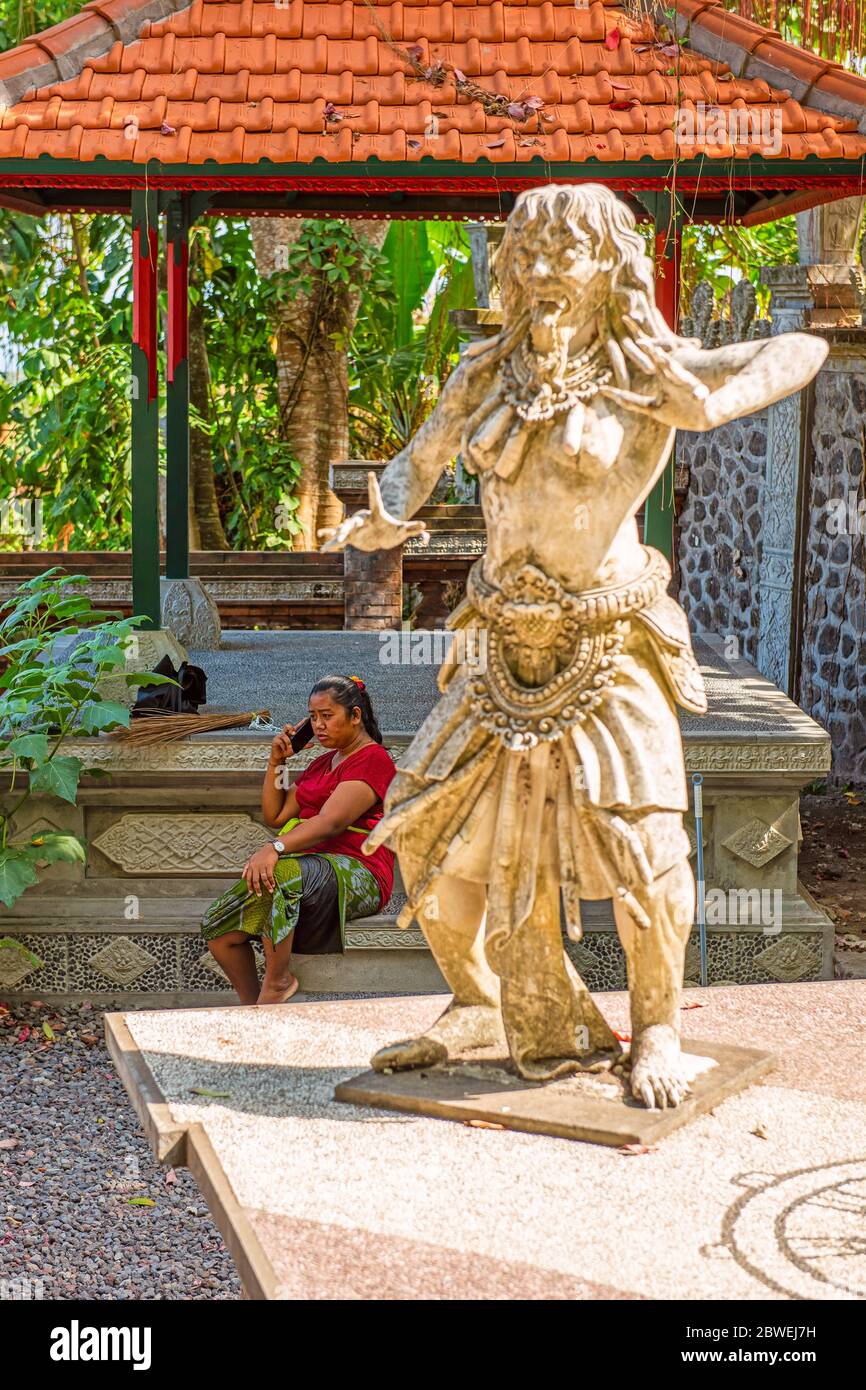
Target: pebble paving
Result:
[84, 1208]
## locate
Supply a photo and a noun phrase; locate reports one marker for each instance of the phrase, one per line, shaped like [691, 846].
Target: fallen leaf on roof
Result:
[494, 144]
[613, 39]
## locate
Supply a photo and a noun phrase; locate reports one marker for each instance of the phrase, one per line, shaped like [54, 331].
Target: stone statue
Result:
[552, 766]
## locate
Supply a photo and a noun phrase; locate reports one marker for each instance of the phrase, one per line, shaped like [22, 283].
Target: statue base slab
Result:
[482, 1088]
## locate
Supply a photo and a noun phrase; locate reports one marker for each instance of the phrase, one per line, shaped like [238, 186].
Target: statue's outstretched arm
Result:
[728, 382]
[408, 480]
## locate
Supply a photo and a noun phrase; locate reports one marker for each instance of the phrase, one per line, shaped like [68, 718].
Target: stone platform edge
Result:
[188, 1146]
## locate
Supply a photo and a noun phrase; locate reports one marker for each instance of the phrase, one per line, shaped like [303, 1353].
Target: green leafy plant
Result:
[46, 695]
[404, 346]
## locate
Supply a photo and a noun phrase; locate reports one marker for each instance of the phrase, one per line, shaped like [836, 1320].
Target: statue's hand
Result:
[644, 405]
[373, 528]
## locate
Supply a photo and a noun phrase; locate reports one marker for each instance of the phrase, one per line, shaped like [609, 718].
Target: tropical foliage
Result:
[384, 345]
[49, 689]
[835, 29]
[404, 344]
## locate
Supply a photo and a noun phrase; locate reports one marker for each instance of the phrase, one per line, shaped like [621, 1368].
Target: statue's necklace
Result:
[540, 387]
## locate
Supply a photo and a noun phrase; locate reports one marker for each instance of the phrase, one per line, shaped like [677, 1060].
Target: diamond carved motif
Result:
[757, 842]
[693, 838]
[122, 961]
[181, 844]
[692, 965]
[788, 958]
[16, 962]
[583, 959]
[207, 962]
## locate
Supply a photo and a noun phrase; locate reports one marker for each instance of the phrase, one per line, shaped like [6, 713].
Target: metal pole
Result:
[697, 788]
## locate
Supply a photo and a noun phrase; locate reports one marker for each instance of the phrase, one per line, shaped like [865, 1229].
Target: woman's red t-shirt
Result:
[371, 764]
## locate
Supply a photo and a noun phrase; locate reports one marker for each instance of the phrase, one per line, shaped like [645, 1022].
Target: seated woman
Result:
[299, 890]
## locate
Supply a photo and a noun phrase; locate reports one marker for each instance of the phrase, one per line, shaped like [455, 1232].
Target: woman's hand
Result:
[281, 748]
[258, 872]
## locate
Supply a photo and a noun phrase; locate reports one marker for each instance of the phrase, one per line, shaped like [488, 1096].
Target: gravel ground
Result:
[84, 1206]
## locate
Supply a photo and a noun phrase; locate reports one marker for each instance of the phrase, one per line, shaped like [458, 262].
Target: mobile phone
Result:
[302, 735]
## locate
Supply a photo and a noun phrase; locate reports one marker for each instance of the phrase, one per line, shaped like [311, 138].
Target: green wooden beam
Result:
[667, 216]
[656, 173]
[145, 409]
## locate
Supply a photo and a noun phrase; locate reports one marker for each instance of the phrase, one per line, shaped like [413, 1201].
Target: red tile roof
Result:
[240, 81]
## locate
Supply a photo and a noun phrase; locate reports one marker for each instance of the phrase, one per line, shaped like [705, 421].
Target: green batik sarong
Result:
[276, 914]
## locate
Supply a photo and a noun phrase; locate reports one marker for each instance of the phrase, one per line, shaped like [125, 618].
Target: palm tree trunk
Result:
[312, 370]
[206, 527]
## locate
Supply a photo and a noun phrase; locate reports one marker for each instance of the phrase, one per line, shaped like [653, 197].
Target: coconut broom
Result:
[168, 727]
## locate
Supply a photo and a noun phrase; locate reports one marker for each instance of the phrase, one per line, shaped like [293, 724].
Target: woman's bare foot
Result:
[460, 1027]
[276, 991]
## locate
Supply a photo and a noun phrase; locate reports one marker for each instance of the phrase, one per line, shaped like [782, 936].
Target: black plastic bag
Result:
[183, 698]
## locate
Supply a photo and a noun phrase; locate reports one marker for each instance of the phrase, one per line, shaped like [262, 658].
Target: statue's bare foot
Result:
[657, 1075]
[461, 1026]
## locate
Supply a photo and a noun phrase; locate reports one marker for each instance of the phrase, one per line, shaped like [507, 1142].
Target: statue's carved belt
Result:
[550, 654]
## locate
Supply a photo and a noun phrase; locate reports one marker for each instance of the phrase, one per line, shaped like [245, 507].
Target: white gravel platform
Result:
[763, 1198]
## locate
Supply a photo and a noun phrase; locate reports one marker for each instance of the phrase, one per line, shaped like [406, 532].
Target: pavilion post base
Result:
[373, 589]
[189, 612]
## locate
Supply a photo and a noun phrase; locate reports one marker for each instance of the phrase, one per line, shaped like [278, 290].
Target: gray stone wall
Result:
[726, 547]
[720, 528]
[832, 687]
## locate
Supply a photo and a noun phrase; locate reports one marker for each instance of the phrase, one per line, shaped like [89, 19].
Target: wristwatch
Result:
[278, 846]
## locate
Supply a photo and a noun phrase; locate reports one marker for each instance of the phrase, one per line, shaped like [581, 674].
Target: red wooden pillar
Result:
[145, 409]
[668, 253]
[177, 390]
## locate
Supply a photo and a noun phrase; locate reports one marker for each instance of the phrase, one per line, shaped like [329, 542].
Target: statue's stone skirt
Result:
[597, 794]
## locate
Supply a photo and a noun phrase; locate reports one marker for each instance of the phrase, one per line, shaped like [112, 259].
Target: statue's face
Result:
[558, 274]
